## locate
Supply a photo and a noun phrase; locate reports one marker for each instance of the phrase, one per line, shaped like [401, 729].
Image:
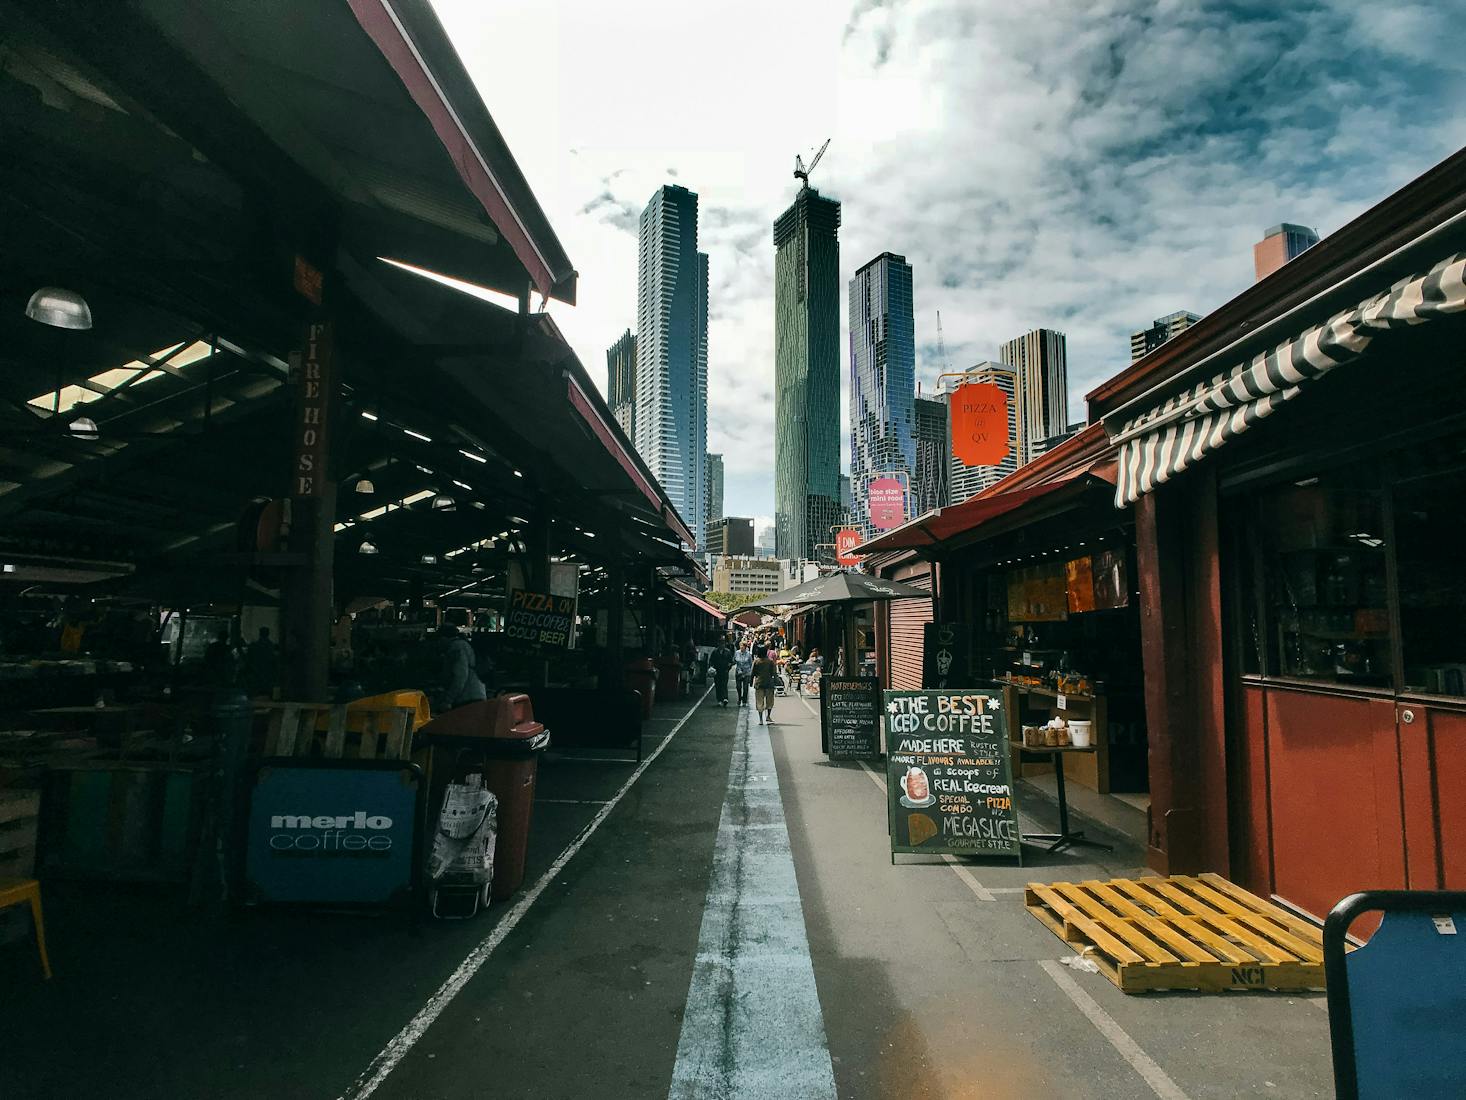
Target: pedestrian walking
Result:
[765, 676]
[721, 661]
[743, 663]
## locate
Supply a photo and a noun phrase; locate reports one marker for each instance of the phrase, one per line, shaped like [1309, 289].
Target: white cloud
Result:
[1084, 167]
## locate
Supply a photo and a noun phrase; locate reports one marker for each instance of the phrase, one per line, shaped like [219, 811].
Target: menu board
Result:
[851, 710]
[949, 787]
[539, 619]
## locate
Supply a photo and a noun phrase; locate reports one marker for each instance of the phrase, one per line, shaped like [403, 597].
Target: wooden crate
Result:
[1181, 932]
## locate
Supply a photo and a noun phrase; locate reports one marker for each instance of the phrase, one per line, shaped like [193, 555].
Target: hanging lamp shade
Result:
[444, 503]
[59, 308]
[364, 485]
[84, 427]
[367, 547]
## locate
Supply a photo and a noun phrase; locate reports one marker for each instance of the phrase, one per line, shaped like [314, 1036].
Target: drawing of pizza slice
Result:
[920, 828]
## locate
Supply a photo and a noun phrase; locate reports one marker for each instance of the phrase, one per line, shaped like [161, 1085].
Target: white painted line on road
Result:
[1159, 1081]
[752, 1027]
[875, 776]
[572, 801]
[393, 1053]
[982, 892]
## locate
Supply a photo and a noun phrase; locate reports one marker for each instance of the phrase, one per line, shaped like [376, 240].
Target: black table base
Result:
[1065, 837]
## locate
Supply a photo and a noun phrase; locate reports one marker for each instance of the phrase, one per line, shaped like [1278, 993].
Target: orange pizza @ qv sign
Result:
[980, 424]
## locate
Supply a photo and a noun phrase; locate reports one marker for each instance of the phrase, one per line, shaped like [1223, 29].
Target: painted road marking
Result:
[753, 1026]
[1159, 1081]
[572, 801]
[384, 1063]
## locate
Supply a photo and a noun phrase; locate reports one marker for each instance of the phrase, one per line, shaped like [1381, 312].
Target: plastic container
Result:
[641, 677]
[1080, 733]
[505, 731]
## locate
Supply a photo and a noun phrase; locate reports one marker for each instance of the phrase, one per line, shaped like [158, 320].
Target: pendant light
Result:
[367, 547]
[84, 427]
[59, 308]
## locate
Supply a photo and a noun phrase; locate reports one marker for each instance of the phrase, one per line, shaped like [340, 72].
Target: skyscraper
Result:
[1145, 341]
[965, 481]
[1280, 244]
[931, 477]
[672, 352]
[714, 506]
[882, 380]
[621, 382]
[1039, 360]
[806, 374]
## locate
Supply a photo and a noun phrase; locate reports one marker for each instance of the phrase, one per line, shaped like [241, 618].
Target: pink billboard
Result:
[887, 501]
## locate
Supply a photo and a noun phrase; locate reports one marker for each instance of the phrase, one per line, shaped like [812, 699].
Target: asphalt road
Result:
[724, 922]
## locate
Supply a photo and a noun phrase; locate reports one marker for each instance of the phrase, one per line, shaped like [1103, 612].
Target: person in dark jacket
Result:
[721, 661]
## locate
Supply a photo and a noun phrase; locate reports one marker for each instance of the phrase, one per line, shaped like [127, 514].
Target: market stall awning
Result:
[698, 602]
[1176, 434]
[959, 519]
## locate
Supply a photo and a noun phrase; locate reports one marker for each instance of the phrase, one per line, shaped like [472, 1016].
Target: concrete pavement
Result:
[740, 872]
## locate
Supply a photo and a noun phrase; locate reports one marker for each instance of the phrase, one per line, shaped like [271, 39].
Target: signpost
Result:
[949, 787]
[540, 619]
[886, 499]
[333, 832]
[980, 423]
[846, 540]
[850, 717]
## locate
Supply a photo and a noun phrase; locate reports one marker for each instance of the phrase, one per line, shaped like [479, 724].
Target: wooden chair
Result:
[18, 891]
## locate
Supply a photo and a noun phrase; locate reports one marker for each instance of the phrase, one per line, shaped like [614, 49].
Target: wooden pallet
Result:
[1181, 932]
[320, 730]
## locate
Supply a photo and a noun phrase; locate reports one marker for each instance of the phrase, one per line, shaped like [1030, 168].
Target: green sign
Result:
[949, 784]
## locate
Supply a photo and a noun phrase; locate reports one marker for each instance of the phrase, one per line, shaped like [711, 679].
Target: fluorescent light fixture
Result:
[520, 520]
[368, 416]
[1304, 483]
[461, 485]
[470, 454]
[429, 559]
[416, 435]
[518, 474]
[589, 534]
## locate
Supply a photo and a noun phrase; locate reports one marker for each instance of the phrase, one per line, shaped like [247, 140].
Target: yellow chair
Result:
[17, 891]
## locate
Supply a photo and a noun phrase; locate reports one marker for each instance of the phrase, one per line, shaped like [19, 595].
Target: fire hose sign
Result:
[539, 620]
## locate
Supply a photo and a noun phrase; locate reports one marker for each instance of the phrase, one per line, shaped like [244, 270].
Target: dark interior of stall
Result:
[1054, 612]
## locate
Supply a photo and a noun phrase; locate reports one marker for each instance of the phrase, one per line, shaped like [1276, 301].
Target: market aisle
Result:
[935, 981]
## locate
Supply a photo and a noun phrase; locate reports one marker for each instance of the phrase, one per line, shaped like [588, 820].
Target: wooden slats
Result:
[1182, 932]
[296, 729]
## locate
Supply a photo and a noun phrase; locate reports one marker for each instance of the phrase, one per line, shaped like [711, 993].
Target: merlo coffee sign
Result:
[949, 778]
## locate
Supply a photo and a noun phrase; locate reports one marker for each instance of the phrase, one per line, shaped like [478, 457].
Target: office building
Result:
[1145, 341]
[731, 535]
[1280, 244]
[965, 481]
[882, 381]
[931, 476]
[621, 383]
[672, 351]
[748, 576]
[847, 502]
[1038, 359]
[714, 508]
[765, 544]
[806, 374]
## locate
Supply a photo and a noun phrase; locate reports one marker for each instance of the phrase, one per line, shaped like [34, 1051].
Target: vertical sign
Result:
[980, 423]
[846, 540]
[313, 384]
[886, 499]
[944, 655]
[850, 709]
[948, 774]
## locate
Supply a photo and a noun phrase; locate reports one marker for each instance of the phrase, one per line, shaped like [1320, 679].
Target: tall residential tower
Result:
[672, 352]
[882, 381]
[621, 383]
[806, 374]
[1039, 360]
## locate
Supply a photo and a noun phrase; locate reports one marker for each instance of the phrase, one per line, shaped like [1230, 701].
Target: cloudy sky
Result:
[1085, 166]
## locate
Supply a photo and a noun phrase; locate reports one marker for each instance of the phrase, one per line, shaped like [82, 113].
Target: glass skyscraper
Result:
[931, 477]
[806, 375]
[1039, 358]
[882, 381]
[672, 352]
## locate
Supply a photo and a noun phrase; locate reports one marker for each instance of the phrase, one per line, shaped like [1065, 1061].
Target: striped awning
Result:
[1160, 443]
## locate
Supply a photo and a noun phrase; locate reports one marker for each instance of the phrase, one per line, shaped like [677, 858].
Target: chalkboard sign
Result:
[539, 619]
[850, 709]
[949, 787]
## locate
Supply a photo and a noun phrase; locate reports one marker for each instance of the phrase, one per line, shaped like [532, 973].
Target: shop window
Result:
[1430, 531]
[1320, 549]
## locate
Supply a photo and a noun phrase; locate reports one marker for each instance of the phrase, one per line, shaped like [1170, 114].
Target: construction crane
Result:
[800, 171]
[942, 347]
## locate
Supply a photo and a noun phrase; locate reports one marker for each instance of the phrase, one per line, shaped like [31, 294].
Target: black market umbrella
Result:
[843, 588]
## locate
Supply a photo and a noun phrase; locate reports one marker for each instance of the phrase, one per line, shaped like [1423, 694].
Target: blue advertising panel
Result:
[338, 832]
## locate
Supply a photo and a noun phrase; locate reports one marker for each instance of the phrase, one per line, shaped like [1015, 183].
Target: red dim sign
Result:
[887, 500]
[980, 424]
[846, 540]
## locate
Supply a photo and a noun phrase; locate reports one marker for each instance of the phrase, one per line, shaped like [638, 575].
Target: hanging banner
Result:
[886, 499]
[846, 540]
[980, 424]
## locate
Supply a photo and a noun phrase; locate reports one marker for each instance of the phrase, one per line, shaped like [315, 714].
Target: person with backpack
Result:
[721, 661]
